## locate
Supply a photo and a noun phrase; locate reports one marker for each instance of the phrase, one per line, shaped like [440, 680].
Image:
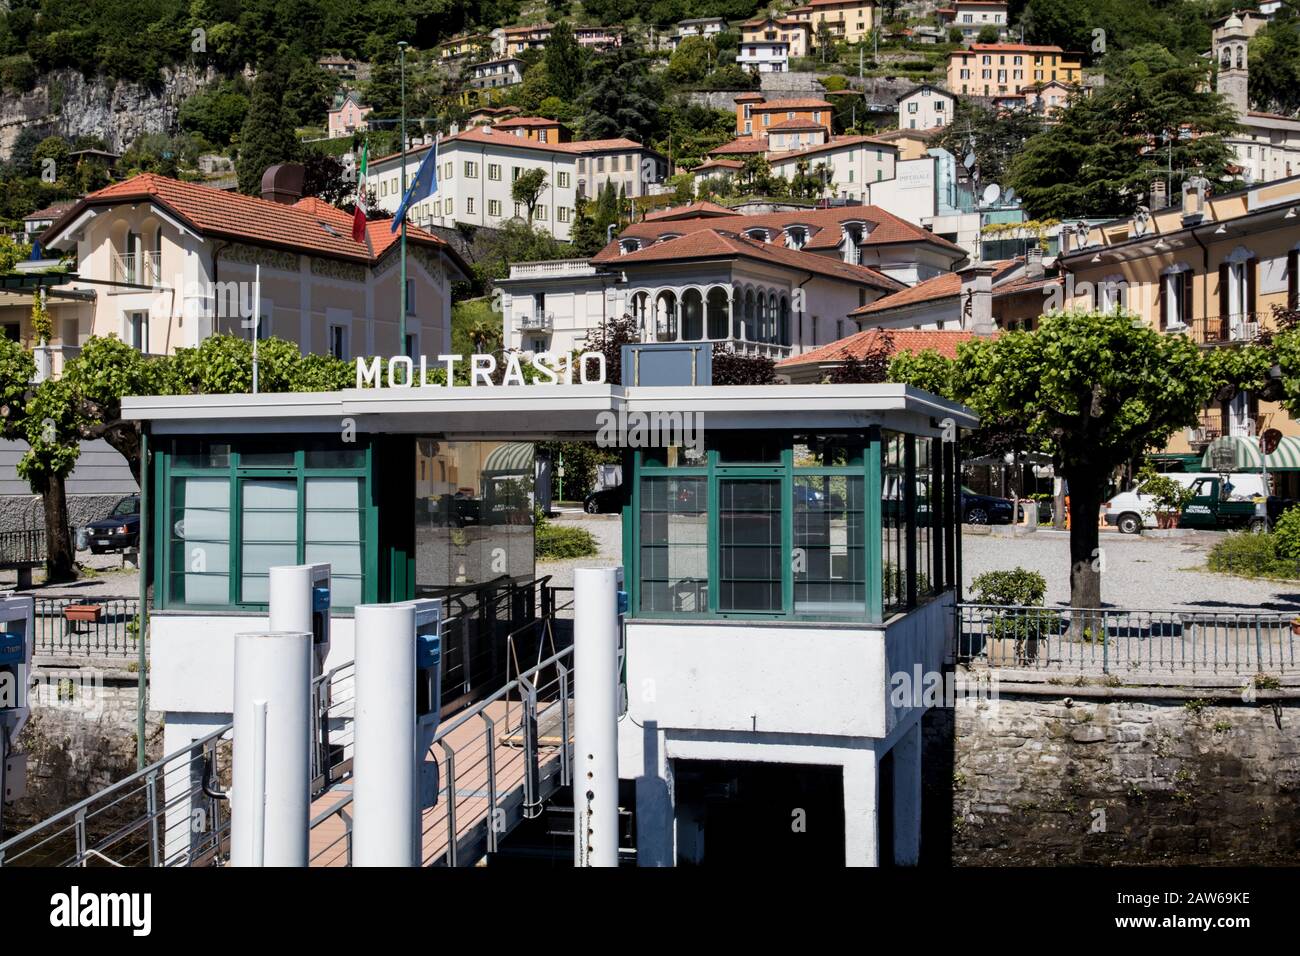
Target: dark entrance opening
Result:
[762, 814]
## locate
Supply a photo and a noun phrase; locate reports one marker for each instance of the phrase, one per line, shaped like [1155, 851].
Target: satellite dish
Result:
[969, 161]
[1009, 195]
[991, 193]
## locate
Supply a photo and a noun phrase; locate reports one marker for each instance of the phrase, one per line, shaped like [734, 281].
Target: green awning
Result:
[1245, 454]
[509, 458]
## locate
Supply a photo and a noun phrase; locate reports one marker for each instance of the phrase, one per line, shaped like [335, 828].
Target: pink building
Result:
[347, 116]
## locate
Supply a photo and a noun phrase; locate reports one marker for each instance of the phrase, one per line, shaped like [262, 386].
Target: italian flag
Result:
[359, 212]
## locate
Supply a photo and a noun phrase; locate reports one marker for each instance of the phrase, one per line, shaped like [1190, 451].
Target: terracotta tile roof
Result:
[793, 125]
[719, 164]
[309, 226]
[938, 287]
[823, 224]
[837, 142]
[1009, 48]
[890, 135]
[747, 97]
[943, 286]
[798, 103]
[860, 344]
[710, 209]
[717, 243]
[739, 145]
[479, 134]
[49, 212]
[527, 121]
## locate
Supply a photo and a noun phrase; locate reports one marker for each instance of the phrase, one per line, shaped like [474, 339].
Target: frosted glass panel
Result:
[270, 533]
[342, 558]
[199, 542]
[332, 493]
[334, 534]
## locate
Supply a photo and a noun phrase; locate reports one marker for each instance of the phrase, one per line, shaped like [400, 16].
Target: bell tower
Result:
[1230, 42]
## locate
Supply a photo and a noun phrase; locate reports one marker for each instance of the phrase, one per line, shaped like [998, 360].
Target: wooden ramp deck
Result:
[489, 767]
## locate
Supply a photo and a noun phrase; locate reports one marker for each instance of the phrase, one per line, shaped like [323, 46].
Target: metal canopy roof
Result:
[538, 412]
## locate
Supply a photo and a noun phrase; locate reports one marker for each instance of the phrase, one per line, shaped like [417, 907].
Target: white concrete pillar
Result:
[861, 809]
[271, 775]
[595, 716]
[907, 797]
[386, 815]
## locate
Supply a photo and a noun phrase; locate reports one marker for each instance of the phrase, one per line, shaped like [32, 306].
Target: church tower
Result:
[1230, 42]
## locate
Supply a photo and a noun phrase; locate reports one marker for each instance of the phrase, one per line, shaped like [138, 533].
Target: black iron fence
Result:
[87, 626]
[1118, 641]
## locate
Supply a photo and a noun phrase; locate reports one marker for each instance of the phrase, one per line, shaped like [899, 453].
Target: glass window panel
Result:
[749, 544]
[201, 453]
[674, 545]
[333, 533]
[925, 519]
[829, 548]
[265, 456]
[334, 458]
[269, 529]
[199, 539]
[750, 448]
[893, 522]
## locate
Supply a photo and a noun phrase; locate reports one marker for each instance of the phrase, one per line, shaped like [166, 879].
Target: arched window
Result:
[784, 331]
[692, 315]
[749, 315]
[666, 317]
[718, 308]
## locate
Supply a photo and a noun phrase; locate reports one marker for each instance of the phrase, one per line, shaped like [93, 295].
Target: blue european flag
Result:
[424, 185]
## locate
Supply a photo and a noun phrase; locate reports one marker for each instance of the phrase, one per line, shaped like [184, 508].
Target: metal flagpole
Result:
[257, 318]
[401, 322]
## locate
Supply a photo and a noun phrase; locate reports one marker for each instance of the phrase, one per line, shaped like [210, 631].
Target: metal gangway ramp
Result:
[500, 758]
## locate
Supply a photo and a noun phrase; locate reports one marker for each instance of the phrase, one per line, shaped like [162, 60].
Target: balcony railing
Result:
[138, 268]
[1239, 327]
[555, 267]
[535, 321]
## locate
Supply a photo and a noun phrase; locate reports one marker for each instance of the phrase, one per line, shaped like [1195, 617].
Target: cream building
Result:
[164, 264]
[1001, 69]
[925, 107]
[848, 21]
[1268, 145]
[477, 168]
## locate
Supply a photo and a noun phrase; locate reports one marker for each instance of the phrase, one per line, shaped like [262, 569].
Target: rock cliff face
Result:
[66, 103]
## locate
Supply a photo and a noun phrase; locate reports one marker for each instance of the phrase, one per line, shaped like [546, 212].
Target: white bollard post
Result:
[386, 810]
[270, 792]
[595, 710]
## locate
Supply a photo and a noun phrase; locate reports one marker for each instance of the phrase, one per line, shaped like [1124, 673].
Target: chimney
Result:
[282, 183]
[976, 299]
[1159, 195]
[1034, 262]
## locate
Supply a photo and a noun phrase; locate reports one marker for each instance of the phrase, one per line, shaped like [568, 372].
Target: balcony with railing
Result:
[138, 268]
[1233, 329]
[535, 321]
[555, 268]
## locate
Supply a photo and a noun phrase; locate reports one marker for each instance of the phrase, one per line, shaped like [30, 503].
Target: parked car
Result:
[1132, 510]
[120, 531]
[603, 502]
[985, 509]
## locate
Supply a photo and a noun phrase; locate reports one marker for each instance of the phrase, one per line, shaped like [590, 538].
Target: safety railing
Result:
[1119, 641]
[333, 695]
[159, 816]
[87, 626]
[1228, 329]
[500, 760]
[21, 547]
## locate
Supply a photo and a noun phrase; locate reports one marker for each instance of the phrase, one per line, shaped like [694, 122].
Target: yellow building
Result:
[1213, 269]
[848, 20]
[1006, 69]
[797, 33]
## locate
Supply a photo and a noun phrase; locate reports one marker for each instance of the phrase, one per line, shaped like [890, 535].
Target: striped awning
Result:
[1246, 456]
[509, 458]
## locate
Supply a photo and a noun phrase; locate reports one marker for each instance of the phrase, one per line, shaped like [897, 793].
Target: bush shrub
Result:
[557, 542]
[1256, 555]
[1019, 587]
[1286, 535]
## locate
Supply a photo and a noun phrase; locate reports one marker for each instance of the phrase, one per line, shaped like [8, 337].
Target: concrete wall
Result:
[1053, 781]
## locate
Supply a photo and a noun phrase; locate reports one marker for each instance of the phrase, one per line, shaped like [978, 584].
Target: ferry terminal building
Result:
[781, 574]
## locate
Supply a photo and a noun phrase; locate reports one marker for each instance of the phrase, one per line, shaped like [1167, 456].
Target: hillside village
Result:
[356, 358]
[808, 185]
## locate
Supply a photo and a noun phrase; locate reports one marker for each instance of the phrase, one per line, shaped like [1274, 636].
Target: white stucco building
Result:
[1268, 144]
[925, 107]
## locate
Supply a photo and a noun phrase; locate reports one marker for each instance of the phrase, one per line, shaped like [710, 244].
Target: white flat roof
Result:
[538, 412]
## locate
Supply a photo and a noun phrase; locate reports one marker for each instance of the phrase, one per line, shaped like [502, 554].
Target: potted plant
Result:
[1019, 625]
[1170, 497]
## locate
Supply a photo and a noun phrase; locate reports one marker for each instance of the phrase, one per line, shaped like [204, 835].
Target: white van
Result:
[1131, 511]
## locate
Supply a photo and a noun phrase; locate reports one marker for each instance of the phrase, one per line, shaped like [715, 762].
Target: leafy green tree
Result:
[623, 97]
[988, 34]
[267, 136]
[564, 62]
[691, 62]
[12, 252]
[528, 188]
[1275, 64]
[217, 113]
[998, 135]
[1098, 390]
[308, 92]
[1155, 112]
